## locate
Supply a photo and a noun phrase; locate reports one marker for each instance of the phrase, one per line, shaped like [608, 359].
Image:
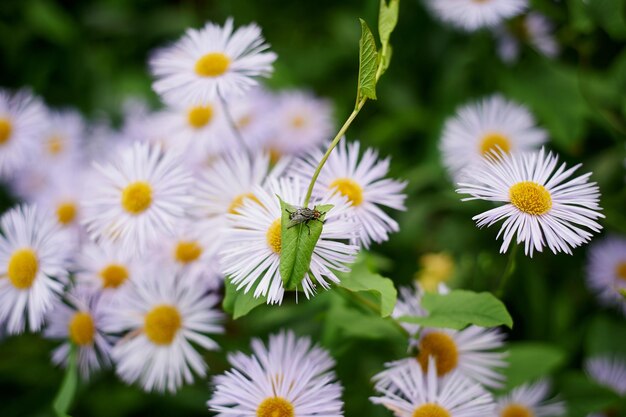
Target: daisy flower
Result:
[105, 267]
[609, 372]
[472, 352]
[79, 322]
[63, 194]
[529, 400]
[534, 29]
[409, 303]
[541, 205]
[301, 123]
[606, 270]
[435, 269]
[211, 62]
[479, 129]
[62, 137]
[414, 392]
[252, 246]
[288, 378]
[471, 15]
[163, 318]
[360, 179]
[253, 117]
[34, 260]
[138, 198]
[22, 119]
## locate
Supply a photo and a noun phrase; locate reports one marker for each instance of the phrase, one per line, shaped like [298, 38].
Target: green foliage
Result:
[387, 19]
[368, 64]
[460, 308]
[362, 279]
[528, 361]
[66, 393]
[297, 244]
[584, 396]
[237, 302]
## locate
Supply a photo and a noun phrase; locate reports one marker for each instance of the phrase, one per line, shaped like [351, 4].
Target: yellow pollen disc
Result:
[66, 213]
[530, 197]
[244, 121]
[238, 202]
[275, 407]
[137, 197]
[274, 236]
[442, 349]
[55, 145]
[516, 410]
[350, 189]
[494, 143]
[298, 122]
[187, 251]
[82, 329]
[430, 410]
[6, 128]
[212, 64]
[161, 324]
[275, 155]
[620, 270]
[23, 267]
[199, 116]
[113, 275]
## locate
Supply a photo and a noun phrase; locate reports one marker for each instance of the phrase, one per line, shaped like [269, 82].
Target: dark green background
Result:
[92, 54]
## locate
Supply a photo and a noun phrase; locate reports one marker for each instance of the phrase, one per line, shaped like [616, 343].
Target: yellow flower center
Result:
[430, 410]
[244, 121]
[66, 213]
[275, 407]
[82, 329]
[187, 251]
[494, 143]
[516, 410]
[238, 202]
[436, 268]
[274, 236]
[199, 116]
[530, 197]
[137, 197]
[6, 128]
[443, 350]
[212, 64]
[23, 267]
[55, 145]
[350, 189]
[275, 155]
[161, 324]
[620, 270]
[298, 122]
[113, 275]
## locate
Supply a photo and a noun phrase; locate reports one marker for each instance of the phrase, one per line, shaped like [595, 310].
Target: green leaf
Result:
[361, 279]
[460, 308]
[66, 393]
[297, 244]
[531, 360]
[237, 302]
[387, 19]
[368, 63]
[585, 396]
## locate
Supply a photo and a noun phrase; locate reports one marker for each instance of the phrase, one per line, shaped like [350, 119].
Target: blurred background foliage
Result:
[92, 55]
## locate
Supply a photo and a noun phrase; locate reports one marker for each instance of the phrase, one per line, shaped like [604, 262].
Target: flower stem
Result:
[232, 124]
[508, 272]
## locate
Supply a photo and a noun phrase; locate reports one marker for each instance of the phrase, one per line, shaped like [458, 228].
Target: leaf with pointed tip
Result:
[368, 63]
[387, 19]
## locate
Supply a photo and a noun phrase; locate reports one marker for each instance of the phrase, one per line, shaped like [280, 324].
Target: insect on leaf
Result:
[297, 244]
[368, 63]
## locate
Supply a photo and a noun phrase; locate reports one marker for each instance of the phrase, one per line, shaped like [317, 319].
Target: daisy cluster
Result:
[125, 236]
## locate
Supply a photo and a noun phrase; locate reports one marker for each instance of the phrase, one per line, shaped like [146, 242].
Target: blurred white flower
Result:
[288, 378]
[534, 29]
[211, 62]
[163, 319]
[493, 124]
[540, 207]
[608, 371]
[471, 15]
[606, 270]
[137, 198]
[360, 179]
[415, 392]
[62, 139]
[253, 242]
[79, 322]
[529, 400]
[34, 260]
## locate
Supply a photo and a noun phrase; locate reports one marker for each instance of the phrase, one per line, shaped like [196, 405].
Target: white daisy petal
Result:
[471, 15]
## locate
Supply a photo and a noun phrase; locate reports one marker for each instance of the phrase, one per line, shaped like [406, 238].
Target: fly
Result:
[304, 215]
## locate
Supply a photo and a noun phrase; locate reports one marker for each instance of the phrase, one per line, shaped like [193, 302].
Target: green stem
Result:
[374, 308]
[67, 391]
[232, 124]
[508, 272]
